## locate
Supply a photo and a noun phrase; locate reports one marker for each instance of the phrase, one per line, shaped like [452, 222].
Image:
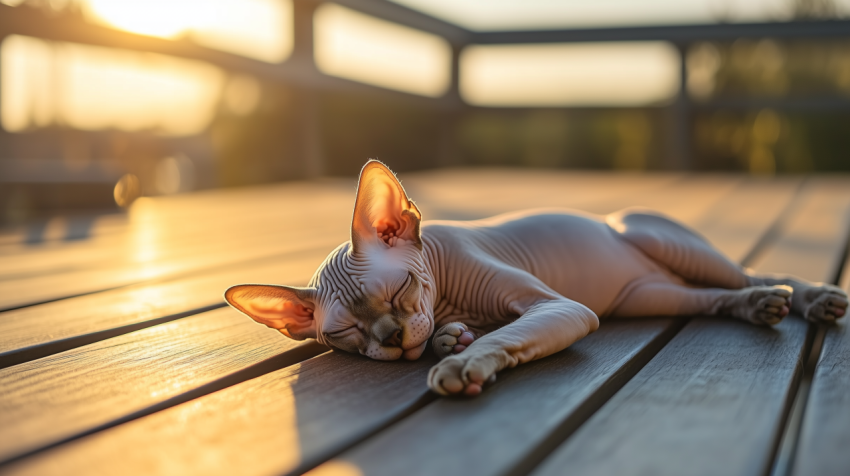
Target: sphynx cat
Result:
[513, 288]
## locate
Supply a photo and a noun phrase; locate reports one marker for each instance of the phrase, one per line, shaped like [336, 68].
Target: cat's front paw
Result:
[826, 304]
[452, 338]
[464, 373]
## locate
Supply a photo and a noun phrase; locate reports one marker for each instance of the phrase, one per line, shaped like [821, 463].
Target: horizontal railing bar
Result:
[673, 33]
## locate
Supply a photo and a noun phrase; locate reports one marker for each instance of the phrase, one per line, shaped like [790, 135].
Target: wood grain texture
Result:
[813, 238]
[196, 238]
[739, 216]
[281, 423]
[23, 291]
[175, 222]
[36, 331]
[497, 431]
[822, 444]
[713, 400]
[56, 397]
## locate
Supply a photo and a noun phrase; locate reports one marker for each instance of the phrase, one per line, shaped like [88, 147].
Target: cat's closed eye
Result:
[400, 294]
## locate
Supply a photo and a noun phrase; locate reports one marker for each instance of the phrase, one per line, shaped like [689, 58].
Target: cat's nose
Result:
[393, 339]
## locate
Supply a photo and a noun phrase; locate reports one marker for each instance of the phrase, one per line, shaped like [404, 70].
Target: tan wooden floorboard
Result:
[153, 253]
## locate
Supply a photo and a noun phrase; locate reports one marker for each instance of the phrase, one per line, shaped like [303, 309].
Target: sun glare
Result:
[259, 29]
[93, 88]
[355, 46]
[603, 74]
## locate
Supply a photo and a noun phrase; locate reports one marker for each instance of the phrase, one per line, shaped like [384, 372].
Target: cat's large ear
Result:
[383, 215]
[287, 309]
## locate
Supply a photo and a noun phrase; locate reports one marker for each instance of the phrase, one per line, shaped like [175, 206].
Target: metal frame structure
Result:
[300, 70]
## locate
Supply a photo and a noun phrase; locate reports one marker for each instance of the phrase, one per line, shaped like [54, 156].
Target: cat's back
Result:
[575, 253]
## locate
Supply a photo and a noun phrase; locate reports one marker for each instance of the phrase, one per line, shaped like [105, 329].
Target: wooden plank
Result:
[61, 229]
[735, 229]
[37, 331]
[57, 397]
[498, 191]
[188, 258]
[826, 421]
[600, 358]
[713, 400]
[24, 292]
[466, 194]
[184, 218]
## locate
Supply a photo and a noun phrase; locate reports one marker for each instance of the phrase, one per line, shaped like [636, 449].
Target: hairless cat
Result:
[513, 288]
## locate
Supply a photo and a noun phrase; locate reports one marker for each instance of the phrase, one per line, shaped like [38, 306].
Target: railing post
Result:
[307, 100]
[449, 150]
[682, 127]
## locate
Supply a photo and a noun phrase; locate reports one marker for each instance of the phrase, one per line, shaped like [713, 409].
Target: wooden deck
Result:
[117, 355]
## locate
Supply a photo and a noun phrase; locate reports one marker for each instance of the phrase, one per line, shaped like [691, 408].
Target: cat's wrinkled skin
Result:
[510, 289]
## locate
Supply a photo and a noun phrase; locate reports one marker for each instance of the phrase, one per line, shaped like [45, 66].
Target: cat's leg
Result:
[452, 338]
[678, 248]
[690, 256]
[533, 321]
[761, 305]
[817, 302]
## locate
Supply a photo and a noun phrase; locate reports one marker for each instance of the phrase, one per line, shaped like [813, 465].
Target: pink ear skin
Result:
[287, 309]
[382, 210]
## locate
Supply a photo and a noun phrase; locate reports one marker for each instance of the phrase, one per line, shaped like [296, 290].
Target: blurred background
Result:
[103, 101]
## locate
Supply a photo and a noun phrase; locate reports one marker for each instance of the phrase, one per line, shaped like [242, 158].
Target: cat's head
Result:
[372, 295]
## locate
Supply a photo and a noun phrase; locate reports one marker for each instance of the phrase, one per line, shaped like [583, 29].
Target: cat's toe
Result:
[445, 377]
[463, 342]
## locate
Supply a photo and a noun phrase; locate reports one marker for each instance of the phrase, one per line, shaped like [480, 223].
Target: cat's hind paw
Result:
[452, 338]
[828, 303]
